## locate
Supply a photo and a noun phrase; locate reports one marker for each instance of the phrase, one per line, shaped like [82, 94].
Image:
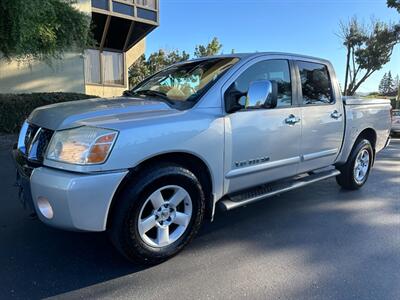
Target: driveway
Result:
[319, 242]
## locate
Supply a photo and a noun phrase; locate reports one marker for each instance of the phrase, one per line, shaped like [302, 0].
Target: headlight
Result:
[82, 145]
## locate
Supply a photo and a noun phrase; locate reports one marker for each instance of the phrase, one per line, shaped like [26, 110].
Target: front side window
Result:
[185, 82]
[315, 83]
[272, 70]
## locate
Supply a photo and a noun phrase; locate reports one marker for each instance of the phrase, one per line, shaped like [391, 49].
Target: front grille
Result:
[44, 140]
[35, 142]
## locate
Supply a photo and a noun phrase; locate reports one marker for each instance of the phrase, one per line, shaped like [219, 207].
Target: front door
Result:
[321, 114]
[262, 145]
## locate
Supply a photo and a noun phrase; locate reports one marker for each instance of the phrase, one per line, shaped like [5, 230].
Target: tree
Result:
[211, 48]
[157, 61]
[368, 50]
[390, 84]
[394, 4]
[398, 92]
[383, 85]
[396, 85]
[41, 29]
[394, 88]
[161, 59]
[353, 35]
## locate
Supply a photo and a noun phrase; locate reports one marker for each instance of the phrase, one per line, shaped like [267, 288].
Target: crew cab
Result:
[226, 131]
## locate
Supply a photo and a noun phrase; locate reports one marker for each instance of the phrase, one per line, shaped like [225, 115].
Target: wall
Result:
[64, 75]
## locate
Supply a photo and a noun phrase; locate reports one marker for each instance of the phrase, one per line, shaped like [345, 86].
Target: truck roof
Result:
[256, 54]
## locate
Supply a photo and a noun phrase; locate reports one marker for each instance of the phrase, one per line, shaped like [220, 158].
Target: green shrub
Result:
[15, 108]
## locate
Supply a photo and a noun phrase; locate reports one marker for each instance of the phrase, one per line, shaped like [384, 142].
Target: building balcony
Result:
[120, 24]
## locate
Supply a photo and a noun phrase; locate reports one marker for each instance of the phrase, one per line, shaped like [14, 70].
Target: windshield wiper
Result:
[157, 94]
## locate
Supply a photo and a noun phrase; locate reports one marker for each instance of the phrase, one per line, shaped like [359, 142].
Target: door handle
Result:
[335, 114]
[292, 119]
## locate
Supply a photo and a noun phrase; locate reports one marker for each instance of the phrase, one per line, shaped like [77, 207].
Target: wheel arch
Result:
[370, 135]
[188, 160]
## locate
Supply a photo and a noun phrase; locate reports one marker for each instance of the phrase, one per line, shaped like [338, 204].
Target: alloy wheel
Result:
[165, 216]
[361, 166]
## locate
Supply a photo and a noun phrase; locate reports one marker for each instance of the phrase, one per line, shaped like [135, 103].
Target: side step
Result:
[268, 190]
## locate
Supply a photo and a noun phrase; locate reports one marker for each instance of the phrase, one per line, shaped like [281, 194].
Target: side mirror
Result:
[262, 93]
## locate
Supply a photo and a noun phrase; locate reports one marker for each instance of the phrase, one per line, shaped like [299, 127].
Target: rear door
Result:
[321, 113]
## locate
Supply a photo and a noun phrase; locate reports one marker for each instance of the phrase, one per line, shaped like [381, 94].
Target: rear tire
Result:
[157, 215]
[355, 172]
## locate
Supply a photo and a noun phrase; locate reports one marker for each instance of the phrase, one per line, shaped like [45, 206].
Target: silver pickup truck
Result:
[224, 131]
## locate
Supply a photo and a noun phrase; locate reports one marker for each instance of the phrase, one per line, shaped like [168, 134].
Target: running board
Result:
[268, 190]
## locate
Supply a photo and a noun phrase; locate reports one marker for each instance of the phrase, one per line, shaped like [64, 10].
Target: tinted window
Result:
[315, 83]
[273, 70]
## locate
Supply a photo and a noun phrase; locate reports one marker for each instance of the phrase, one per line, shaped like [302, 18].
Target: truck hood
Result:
[96, 111]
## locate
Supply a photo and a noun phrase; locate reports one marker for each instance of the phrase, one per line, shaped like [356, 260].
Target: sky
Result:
[307, 27]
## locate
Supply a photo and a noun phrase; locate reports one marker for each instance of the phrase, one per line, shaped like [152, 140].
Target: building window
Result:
[108, 64]
[147, 3]
[102, 4]
[146, 14]
[123, 8]
[113, 68]
[92, 66]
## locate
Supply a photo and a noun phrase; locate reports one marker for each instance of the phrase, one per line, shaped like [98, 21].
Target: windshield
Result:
[185, 82]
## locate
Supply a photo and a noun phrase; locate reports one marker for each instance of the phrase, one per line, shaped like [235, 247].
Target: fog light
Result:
[45, 207]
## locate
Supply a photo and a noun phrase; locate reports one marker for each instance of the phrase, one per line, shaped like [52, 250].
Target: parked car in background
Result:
[228, 130]
[395, 121]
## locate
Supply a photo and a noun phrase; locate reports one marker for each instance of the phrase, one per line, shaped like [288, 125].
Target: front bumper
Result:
[77, 201]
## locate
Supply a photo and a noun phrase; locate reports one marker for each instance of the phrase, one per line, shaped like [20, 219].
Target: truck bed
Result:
[362, 114]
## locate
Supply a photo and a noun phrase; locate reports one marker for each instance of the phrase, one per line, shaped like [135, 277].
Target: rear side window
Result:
[315, 83]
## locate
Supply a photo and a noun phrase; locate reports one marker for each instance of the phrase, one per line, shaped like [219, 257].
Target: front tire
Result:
[158, 215]
[355, 172]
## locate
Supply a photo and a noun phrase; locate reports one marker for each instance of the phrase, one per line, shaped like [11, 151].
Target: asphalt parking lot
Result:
[319, 242]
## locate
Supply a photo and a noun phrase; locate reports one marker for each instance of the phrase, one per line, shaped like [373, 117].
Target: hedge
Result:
[15, 108]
